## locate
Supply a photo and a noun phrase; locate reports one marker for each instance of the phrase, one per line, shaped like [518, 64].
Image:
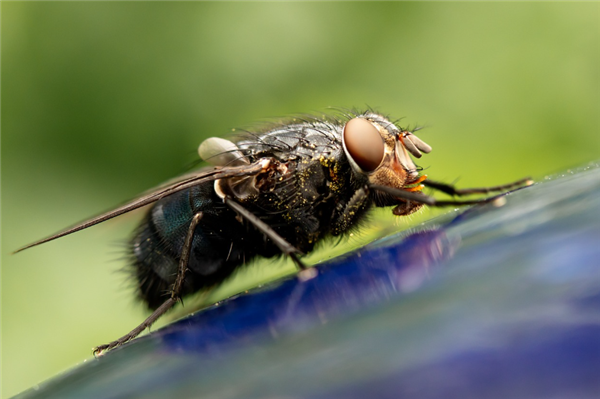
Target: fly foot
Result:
[307, 274]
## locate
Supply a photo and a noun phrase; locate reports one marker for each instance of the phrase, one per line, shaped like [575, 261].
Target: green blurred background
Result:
[101, 101]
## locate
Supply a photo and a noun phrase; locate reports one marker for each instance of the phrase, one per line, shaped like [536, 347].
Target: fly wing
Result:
[162, 191]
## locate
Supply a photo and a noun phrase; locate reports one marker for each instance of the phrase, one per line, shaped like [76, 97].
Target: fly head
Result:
[379, 150]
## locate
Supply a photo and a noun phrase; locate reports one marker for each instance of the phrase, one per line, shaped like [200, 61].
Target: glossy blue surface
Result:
[489, 302]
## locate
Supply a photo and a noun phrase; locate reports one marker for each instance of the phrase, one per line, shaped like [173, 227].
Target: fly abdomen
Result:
[218, 246]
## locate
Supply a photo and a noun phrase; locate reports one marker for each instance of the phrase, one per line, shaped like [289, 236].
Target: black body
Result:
[305, 196]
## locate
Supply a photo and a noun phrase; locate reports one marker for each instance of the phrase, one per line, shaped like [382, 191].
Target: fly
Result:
[290, 185]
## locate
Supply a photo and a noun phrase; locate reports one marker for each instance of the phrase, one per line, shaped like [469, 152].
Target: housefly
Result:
[277, 191]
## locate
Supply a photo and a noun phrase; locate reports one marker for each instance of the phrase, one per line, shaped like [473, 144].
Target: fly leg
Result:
[431, 201]
[285, 247]
[169, 303]
[451, 190]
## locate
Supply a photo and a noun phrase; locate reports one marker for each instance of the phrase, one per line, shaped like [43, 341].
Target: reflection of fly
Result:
[290, 185]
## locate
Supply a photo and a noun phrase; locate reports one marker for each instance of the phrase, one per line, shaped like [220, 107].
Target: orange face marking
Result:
[420, 179]
[416, 188]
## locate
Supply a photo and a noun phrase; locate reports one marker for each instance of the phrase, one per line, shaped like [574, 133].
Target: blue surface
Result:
[488, 302]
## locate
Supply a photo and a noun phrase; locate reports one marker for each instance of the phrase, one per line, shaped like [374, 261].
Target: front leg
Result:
[419, 198]
[451, 190]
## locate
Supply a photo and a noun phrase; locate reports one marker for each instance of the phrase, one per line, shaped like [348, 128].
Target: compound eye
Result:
[363, 143]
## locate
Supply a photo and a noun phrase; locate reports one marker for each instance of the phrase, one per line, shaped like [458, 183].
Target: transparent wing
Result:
[162, 191]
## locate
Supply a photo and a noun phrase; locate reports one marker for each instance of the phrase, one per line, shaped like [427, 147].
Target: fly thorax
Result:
[247, 188]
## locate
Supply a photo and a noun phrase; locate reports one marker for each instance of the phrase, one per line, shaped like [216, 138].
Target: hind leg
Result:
[170, 302]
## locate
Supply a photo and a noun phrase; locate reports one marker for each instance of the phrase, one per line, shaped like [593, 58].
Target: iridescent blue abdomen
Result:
[220, 244]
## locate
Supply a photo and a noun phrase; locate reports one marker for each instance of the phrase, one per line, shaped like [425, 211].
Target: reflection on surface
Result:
[342, 287]
[513, 314]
